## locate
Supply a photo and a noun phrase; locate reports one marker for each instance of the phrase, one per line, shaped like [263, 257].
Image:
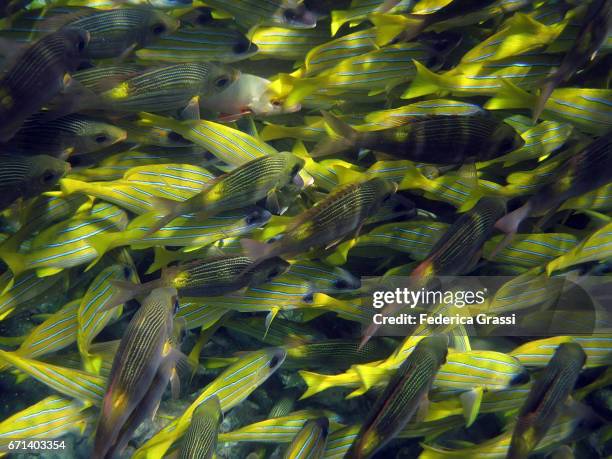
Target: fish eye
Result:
[441, 45]
[80, 43]
[101, 138]
[253, 218]
[174, 137]
[273, 362]
[340, 284]
[242, 47]
[276, 102]
[158, 28]
[222, 81]
[308, 298]
[204, 17]
[290, 15]
[48, 176]
[520, 378]
[507, 144]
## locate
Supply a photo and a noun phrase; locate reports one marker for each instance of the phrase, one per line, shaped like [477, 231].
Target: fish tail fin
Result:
[344, 137]
[356, 393]
[414, 179]
[315, 383]
[346, 175]
[509, 96]
[92, 363]
[338, 126]
[168, 209]
[425, 82]
[15, 261]
[338, 19]
[390, 26]
[370, 376]
[161, 258]
[150, 119]
[302, 88]
[274, 132]
[101, 244]
[71, 186]
[257, 250]
[329, 147]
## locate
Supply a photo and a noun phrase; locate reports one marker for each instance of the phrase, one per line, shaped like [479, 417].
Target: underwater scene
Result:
[306, 229]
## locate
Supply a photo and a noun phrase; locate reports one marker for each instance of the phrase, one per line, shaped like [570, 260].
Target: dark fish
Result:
[38, 75]
[222, 275]
[143, 348]
[97, 78]
[457, 250]
[200, 440]
[584, 172]
[546, 399]
[65, 136]
[208, 277]
[146, 409]
[596, 26]
[28, 176]
[336, 353]
[163, 89]
[258, 179]
[400, 400]
[435, 139]
[339, 214]
[119, 31]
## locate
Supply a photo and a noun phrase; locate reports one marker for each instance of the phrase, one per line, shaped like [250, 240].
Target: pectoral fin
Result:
[192, 110]
[422, 409]
[175, 385]
[269, 318]
[470, 402]
[272, 202]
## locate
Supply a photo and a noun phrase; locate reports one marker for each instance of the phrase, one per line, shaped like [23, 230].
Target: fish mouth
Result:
[121, 137]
